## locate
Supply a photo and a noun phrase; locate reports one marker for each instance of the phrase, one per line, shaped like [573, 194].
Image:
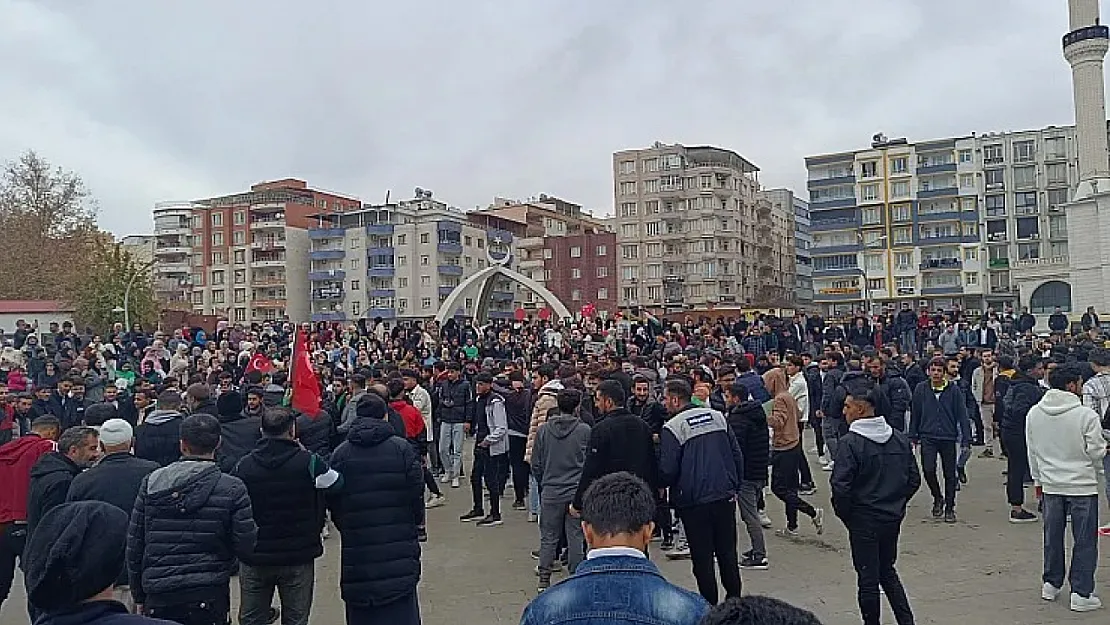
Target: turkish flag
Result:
[306, 388]
[259, 362]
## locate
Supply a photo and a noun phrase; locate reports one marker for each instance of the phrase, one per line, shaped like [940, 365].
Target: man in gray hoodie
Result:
[558, 457]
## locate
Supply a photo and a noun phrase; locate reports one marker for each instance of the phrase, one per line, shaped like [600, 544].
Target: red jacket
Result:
[7, 417]
[414, 421]
[16, 460]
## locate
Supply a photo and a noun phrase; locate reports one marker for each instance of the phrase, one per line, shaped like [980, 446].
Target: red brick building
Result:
[582, 269]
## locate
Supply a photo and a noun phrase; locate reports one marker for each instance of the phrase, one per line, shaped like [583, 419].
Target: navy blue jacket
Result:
[754, 383]
[699, 458]
[939, 419]
[98, 613]
[377, 512]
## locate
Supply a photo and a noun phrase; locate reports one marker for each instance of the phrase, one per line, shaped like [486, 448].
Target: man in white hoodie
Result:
[1066, 449]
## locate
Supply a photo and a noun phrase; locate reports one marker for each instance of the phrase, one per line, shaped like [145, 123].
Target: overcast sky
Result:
[154, 101]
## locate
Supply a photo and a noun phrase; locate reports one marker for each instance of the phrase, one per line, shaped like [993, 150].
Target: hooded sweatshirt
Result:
[545, 403]
[785, 412]
[158, 437]
[874, 474]
[558, 456]
[1066, 446]
[16, 460]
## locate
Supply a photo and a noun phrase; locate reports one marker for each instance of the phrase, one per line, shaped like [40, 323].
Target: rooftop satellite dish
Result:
[419, 192]
[428, 193]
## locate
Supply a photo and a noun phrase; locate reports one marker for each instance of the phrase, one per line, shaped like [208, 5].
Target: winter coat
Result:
[558, 457]
[545, 403]
[939, 419]
[455, 399]
[652, 412]
[316, 433]
[1023, 392]
[158, 438]
[621, 442]
[377, 512]
[874, 474]
[190, 523]
[17, 458]
[748, 422]
[238, 435]
[97, 613]
[699, 458]
[50, 480]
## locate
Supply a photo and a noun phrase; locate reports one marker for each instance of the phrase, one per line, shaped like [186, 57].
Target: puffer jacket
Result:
[316, 433]
[545, 403]
[50, 480]
[158, 437]
[377, 512]
[455, 401]
[1023, 393]
[748, 422]
[190, 523]
[238, 435]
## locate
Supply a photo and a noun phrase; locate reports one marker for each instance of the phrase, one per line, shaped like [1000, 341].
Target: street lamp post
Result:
[864, 288]
[127, 295]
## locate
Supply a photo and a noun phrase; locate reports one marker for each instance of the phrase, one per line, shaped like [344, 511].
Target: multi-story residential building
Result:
[690, 227]
[976, 221]
[803, 260]
[569, 251]
[243, 256]
[780, 269]
[140, 247]
[400, 261]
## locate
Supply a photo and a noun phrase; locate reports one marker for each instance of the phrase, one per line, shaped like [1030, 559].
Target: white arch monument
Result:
[483, 282]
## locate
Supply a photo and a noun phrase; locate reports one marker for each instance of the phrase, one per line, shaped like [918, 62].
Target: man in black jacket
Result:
[748, 422]
[190, 522]
[115, 479]
[456, 403]
[1022, 393]
[643, 405]
[377, 512]
[199, 400]
[1026, 321]
[875, 475]
[894, 402]
[240, 427]
[158, 437]
[286, 484]
[1058, 321]
[518, 409]
[78, 449]
[938, 418]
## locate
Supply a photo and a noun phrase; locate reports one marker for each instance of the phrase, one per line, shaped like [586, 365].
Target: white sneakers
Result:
[828, 466]
[435, 501]
[765, 520]
[454, 482]
[1078, 603]
[443, 479]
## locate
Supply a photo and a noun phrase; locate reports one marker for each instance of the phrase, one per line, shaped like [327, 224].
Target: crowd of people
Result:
[612, 434]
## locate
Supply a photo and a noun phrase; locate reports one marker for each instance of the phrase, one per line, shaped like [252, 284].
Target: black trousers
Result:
[874, 550]
[947, 451]
[1017, 466]
[519, 467]
[216, 612]
[13, 537]
[976, 417]
[784, 484]
[711, 533]
[818, 435]
[493, 471]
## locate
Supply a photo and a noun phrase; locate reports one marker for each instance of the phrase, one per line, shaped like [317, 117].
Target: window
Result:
[198, 297]
[402, 283]
[992, 154]
[1058, 227]
[969, 204]
[547, 253]
[603, 294]
[898, 165]
[356, 308]
[218, 297]
[402, 261]
[400, 239]
[876, 284]
[217, 239]
[902, 236]
[218, 276]
[650, 186]
[971, 253]
[1023, 151]
[218, 258]
[994, 179]
[354, 285]
[240, 276]
[1057, 197]
[425, 303]
[468, 241]
[840, 261]
[1057, 173]
[402, 304]
[900, 212]
[217, 219]
[424, 261]
[1029, 251]
[238, 237]
[627, 188]
[971, 279]
[967, 181]
[1025, 177]
[654, 250]
[630, 252]
[546, 275]
[903, 260]
[576, 295]
[239, 217]
[971, 229]
[630, 231]
[575, 251]
[1025, 203]
[1058, 249]
[965, 156]
[240, 295]
[355, 263]
[240, 257]
[603, 272]
[601, 251]
[869, 192]
[425, 238]
[575, 273]
[654, 294]
[628, 209]
[995, 205]
[630, 273]
[1054, 148]
[651, 164]
[467, 261]
[899, 189]
[873, 262]
[425, 281]
[871, 216]
[905, 283]
[628, 167]
[1028, 228]
[868, 169]
[653, 229]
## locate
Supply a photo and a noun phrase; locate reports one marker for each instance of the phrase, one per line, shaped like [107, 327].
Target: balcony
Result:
[835, 249]
[327, 254]
[180, 230]
[380, 251]
[384, 313]
[269, 303]
[949, 215]
[180, 209]
[449, 248]
[828, 182]
[329, 316]
[941, 168]
[267, 262]
[946, 289]
[532, 263]
[268, 281]
[937, 264]
[327, 294]
[172, 250]
[945, 192]
[999, 289]
[828, 204]
[1042, 262]
[502, 296]
[450, 270]
[267, 224]
[381, 271]
[842, 223]
[317, 234]
[268, 244]
[836, 271]
[381, 230]
[529, 243]
[999, 263]
[331, 274]
[382, 293]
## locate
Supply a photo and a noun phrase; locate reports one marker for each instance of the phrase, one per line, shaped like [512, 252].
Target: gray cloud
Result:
[152, 101]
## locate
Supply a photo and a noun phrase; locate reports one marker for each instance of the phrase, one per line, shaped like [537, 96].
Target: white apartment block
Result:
[690, 224]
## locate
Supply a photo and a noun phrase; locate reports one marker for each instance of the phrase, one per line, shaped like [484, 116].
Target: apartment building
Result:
[400, 261]
[691, 230]
[140, 247]
[973, 221]
[242, 256]
[567, 250]
[790, 210]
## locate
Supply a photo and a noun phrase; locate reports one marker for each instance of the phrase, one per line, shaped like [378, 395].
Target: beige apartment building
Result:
[693, 232]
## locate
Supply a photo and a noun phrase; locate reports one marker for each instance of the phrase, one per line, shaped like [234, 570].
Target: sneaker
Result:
[519, 505]
[1085, 604]
[961, 474]
[679, 553]
[827, 467]
[807, 489]
[822, 460]
[786, 532]
[325, 533]
[819, 521]
[754, 564]
[987, 453]
[667, 544]
[435, 501]
[274, 614]
[490, 521]
[535, 553]
[812, 449]
[473, 515]
[1049, 592]
[950, 516]
[1022, 516]
[443, 479]
[421, 535]
[1104, 531]
[555, 568]
[544, 583]
[938, 509]
[454, 482]
[765, 520]
[533, 517]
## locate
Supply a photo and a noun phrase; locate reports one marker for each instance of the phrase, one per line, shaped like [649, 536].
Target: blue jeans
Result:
[1084, 530]
[909, 341]
[450, 448]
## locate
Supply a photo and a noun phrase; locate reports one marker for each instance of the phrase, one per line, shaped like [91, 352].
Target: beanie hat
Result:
[115, 432]
[371, 406]
[76, 551]
[229, 404]
[99, 413]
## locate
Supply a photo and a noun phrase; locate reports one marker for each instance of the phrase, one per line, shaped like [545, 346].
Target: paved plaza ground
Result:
[980, 571]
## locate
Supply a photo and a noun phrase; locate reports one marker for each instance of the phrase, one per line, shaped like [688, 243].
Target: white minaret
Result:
[1088, 214]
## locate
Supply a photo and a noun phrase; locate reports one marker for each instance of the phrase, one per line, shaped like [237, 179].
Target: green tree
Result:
[104, 288]
[47, 229]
